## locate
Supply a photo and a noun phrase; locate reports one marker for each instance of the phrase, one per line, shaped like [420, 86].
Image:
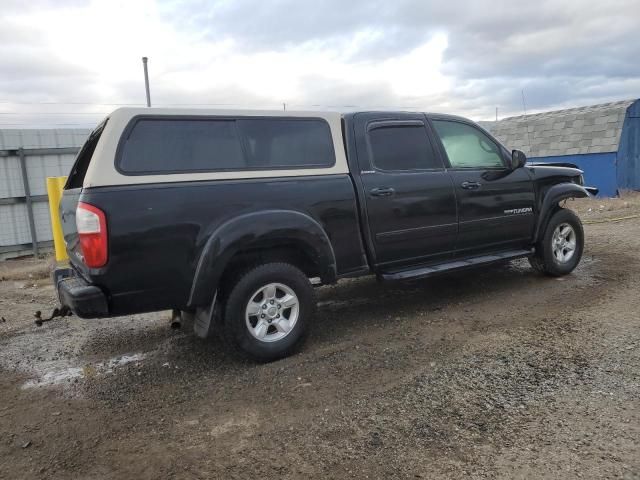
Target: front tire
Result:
[560, 249]
[267, 311]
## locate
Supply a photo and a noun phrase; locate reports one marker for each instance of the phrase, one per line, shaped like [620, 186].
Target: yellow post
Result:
[54, 190]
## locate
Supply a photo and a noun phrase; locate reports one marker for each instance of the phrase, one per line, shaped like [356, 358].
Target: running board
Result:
[424, 272]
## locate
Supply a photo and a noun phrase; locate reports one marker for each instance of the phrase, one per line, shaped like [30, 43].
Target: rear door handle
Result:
[382, 192]
[470, 185]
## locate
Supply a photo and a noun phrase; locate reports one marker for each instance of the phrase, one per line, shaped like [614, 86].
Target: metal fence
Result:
[27, 158]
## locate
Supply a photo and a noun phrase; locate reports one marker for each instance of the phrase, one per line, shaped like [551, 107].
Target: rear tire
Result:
[560, 249]
[267, 311]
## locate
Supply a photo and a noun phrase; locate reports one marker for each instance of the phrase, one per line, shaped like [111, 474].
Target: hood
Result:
[548, 170]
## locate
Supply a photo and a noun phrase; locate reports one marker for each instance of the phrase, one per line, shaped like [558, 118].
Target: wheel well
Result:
[554, 208]
[291, 253]
[547, 218]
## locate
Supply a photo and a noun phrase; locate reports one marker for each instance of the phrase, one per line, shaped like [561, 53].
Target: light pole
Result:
[146, 80]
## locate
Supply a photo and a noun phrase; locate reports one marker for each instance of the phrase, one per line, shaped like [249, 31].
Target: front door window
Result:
[468, 147]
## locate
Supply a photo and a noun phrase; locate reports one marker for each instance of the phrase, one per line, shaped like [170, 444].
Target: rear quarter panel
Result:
[157, 232]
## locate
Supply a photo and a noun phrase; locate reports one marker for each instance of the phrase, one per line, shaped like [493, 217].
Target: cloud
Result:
[465, 56]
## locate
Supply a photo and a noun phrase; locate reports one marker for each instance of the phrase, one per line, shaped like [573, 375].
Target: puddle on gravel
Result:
[69, 374]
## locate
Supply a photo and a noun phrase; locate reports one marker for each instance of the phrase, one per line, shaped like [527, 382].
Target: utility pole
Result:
[496, 114]
[146, 80]
[526, 126]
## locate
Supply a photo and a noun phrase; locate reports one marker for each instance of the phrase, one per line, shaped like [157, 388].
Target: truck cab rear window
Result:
[163, 146]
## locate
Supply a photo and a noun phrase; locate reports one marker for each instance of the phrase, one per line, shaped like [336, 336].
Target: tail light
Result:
[91, 224]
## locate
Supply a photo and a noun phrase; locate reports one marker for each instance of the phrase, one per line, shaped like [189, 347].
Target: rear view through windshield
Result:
[164, 146]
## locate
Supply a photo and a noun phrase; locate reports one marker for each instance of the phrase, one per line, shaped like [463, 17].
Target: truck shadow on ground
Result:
[343, 310]
[406, 324]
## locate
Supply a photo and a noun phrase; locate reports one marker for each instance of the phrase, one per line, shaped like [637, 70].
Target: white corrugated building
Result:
[15, 232]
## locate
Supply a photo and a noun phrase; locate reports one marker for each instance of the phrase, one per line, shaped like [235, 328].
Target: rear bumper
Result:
[85, 300]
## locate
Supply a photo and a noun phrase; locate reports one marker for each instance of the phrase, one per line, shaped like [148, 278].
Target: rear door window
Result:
[205, 145]
[401, 146]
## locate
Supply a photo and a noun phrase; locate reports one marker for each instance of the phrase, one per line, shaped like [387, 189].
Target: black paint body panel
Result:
[158, 233]
[418, 222]
[484, 224]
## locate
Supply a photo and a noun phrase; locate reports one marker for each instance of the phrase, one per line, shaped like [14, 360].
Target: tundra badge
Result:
[516, 211]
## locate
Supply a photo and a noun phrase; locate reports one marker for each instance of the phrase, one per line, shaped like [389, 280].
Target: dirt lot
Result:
[499, 373]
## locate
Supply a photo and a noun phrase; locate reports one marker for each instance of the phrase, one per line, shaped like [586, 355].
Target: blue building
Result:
[603, 140]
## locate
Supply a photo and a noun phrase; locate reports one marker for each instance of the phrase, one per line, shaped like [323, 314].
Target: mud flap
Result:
[204, 319]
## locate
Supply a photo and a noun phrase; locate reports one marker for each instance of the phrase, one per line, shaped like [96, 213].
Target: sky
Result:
[68, 63]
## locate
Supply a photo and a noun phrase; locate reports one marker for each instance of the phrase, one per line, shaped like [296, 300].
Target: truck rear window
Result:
[80, 166]
[168, 145]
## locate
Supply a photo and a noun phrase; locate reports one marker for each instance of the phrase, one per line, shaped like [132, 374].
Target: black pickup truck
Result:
[229, 216]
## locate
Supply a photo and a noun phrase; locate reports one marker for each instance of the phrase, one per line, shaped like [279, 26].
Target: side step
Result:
[454, 265]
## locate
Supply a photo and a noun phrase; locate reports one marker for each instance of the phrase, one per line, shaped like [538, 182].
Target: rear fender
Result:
[550, 200]
[256, 230]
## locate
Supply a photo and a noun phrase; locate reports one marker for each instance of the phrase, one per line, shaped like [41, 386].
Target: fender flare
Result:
[553, 195]
[265, 227]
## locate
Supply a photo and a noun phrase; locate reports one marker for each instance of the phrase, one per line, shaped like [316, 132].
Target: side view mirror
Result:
[518, 159]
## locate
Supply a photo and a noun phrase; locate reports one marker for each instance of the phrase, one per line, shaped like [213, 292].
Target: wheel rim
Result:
[563, 243]
[272, 312]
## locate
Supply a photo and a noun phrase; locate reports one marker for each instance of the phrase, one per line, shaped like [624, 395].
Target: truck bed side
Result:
[158, 234]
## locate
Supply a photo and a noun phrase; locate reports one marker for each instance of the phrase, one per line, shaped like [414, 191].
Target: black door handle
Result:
[382, 192]
[470, 185]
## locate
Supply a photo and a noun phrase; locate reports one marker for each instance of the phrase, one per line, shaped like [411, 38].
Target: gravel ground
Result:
[498, 373]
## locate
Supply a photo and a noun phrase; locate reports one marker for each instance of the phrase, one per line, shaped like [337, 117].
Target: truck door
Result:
[407, 194]
[495, 203]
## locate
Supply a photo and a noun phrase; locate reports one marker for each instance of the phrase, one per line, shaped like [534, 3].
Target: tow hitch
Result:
[63, 311]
